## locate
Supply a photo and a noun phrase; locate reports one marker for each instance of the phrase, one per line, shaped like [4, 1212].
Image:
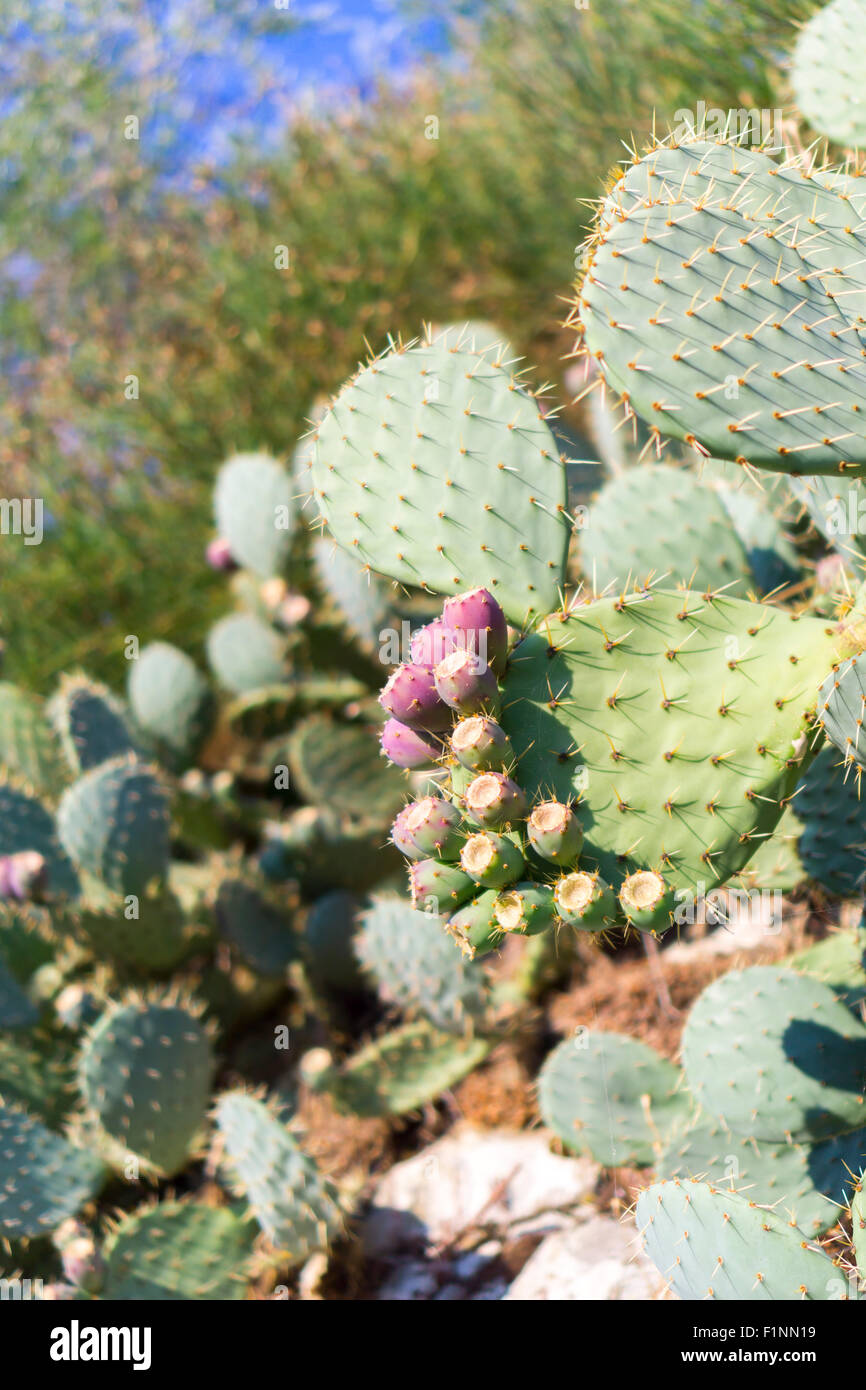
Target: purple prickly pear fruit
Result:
[219, 555]
[444, 884]
[410, 695]
[82, 1262]
[474, 926]
[407, 747]
[22, 875]
[493, 800]
[585, 901]
[431, 644]
[434, 826]
[478, 625]
[480, 745]
[465, 684]
[402, 837]
[528, 909]
[555, 833]
[646, 900]
[491, 860]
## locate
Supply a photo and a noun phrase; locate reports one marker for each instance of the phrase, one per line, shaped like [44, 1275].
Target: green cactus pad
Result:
[402, 1071]
[91, 723]
[265, 713]
[26, 824]
[805, 1183]
[832, 842]
[114, 823]
[827, 72]
[178, 1251]
[170, 699]
[338, 766]
[842, 708]
[661, 523]
[417, 966]
[255, 512]
[836, 508]
[772, 557]
[296, 1207]
[246, 654]
[145, 1073]
[37, 1072]
[858, 1226]
[611, 1095]
[720, 322]
[257, 924]
[776, 1054]
[28, 747]
[435, 467]
[839, 961]
[329, 944]
[43, 1178]
[150, 934]
[679, 720]
[714, 1243]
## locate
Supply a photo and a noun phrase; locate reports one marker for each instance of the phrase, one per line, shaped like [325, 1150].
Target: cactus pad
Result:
[43, 1178]
[113, 822]
[25, 824]
[145, 1073]
[435, 467]
[254, 511]
[402, 1070]
[178, 1250]
[169, 698]
[827, 74]
[28, 747]
[91, 723]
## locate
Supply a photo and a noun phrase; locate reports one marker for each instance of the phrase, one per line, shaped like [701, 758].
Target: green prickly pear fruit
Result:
[466, 683]
[585, 901]
[446, 884]
[493, 800]
[646, 900]
[555, 833]
[474, 926]
[493, 861]
[527, 909]
[480, 745]
[433, 827]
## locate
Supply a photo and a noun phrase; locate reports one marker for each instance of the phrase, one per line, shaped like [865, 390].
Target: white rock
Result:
[594, 1260]
[473, 1179]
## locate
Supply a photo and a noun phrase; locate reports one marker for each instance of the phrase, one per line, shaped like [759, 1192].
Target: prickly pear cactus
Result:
[435, 467]
[718, 320]
[91, 723]
[710, 1242]
[401, 1071]
[43, 1178]
[145, 1074]
[113, 822]
[170, 699]
[295, 1206]
[826, 75]
[28, 746]
[254, 511]
[178, 1250]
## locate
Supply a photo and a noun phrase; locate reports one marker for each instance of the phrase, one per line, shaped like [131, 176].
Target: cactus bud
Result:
[466, 684]
[409, 747]
[493, 800]
[555, 833]
[491, 860]
[478, 624]
[585, 901]
[480, 744]
[219, 556]
[527, 908]
[23, 876]
[410, 695]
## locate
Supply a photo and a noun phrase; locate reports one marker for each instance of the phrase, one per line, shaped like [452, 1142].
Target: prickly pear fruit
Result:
[528, 908]
[219, 555]
[493, 800]
[478, 624]
[433, 828]
[23, 876]
[431, 644]
[401, 837]
[409, 747]
[555, 833]
[646, 900]
[480, 745]
[474, 926]
[491, 860]
[410, 695]
[82, 1261]
[585, 901]
[466, 683]
[446, 884]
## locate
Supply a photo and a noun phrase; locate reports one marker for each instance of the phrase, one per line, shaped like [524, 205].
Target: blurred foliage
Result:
[109, 268]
